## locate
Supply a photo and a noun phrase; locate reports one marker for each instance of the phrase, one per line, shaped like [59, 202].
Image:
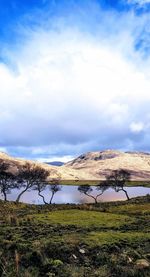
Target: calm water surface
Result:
[70, 194]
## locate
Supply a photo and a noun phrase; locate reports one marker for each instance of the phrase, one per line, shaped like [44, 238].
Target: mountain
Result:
[93, 165]
[55, 171]
[56, 163]
[98, 164]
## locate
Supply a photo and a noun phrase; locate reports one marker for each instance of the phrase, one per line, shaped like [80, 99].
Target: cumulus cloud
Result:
[71, 91]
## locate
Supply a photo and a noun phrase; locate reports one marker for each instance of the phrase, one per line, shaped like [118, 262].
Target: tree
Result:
[118, 179]
[86, 189]
[41, 187]
[7, 179]
[102, 186]
[54, 187]
[29, 176]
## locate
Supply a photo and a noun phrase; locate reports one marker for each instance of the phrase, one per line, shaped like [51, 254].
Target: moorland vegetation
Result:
[72, 240]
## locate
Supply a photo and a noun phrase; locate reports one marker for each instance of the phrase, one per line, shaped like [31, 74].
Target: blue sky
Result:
[74, 77]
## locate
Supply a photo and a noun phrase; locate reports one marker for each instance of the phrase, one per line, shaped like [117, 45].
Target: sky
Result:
[74, 77]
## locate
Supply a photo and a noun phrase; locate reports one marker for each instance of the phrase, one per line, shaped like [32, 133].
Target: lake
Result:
[70, 194]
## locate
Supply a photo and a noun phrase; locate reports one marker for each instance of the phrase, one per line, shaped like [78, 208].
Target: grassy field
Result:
[96, 182]
[105, 239]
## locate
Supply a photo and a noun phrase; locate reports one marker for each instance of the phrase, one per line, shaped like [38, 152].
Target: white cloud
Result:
[63, 159]
[72, 90]
[136, 127]
[3, 149]
[139, 2]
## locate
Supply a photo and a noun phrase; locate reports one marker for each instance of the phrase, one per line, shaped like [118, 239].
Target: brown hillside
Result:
[94, 165]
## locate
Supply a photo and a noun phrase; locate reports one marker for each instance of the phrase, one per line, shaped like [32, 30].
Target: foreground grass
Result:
[107, 239]
[84, 219]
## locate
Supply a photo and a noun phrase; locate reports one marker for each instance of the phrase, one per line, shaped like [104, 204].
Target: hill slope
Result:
[94, 165]
[99, 164]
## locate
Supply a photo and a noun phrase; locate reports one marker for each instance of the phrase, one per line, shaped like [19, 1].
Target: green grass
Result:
[47, 240]
[80, 182]
[100, 238]
[96, 182]
[132, 209]
[83, 218]
[111, 237]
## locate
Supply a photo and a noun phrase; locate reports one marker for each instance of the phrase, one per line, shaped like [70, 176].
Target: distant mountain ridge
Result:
[94, 165]
[56, 163]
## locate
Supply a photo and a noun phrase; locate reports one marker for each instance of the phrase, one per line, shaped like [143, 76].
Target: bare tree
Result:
[86, 189]
[118, 179]
[30, 175]
[7, 179]
[54, 187]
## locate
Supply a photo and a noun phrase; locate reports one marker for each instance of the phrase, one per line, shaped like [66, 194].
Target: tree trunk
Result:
[42, 198]
[126, 194]
[50, 202]
[95, 199]
[5, 195]
[21, 193]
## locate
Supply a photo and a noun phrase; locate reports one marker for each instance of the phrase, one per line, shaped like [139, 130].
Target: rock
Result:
[142, 263]
[82, 251]
[130, 260]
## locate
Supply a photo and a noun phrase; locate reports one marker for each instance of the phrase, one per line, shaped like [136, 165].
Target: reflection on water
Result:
[70, 194]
